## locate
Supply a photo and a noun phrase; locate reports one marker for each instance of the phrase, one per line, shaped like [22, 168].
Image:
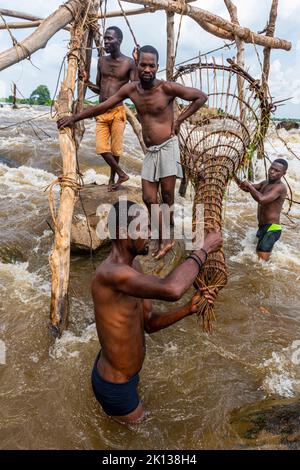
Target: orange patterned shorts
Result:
[110, 128]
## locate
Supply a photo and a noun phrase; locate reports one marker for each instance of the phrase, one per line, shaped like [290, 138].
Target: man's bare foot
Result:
[165, 246]
[110, 185]
[120, 181]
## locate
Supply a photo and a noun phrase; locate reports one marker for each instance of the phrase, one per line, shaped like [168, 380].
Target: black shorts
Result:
[267, 239]
[116, 399]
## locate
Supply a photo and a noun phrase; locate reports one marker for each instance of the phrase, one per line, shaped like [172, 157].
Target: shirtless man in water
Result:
[123, 308]
[114, 71]
[270, 195]
[154, 101]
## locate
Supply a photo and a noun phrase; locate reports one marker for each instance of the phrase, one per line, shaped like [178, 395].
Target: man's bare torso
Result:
[155, 110]
[112, 75]
[120, 326]
[270, 213]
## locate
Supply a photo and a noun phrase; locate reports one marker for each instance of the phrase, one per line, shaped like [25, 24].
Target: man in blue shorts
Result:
[270, 195]
[123, 308]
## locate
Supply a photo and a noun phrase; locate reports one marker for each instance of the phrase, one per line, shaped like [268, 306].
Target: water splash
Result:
[66, 345]
[282, 374]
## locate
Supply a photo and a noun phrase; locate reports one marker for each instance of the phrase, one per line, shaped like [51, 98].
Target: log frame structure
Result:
[69, 180]
[79, 17]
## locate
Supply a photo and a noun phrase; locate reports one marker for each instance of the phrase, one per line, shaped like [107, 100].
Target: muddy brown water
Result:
[191, 383]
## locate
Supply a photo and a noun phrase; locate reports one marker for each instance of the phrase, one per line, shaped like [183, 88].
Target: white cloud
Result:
[275, 66]
[289, 9]
[52, 55]
[40, 8]
[284, 82]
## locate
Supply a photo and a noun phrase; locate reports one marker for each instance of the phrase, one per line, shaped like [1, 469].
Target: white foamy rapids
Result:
[283, 372]
[90, 176]
[24, 112]
[240, 213]
[21, 285]
[17, 127]
[15, 142]
[284, 256]
[24, 178]
[39, 240]
[276, 149]
[69, 343]
[292, 138]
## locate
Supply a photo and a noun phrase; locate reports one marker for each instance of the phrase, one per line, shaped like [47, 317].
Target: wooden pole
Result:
[69, 181]
[39, 38]
[170, 46]
[61, 17]
[240, 55]
[267, 51]
[266, 112]
[169, 75]
[36, 21]
[14, 105]
[19, 14]
[26, 25]
[202, 16]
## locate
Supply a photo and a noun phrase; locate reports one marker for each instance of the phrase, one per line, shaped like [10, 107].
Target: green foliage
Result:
[24, 101]
[249, 158]
[250, 151]
[41, 95]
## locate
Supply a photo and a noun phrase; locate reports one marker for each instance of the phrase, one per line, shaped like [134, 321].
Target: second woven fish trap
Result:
[217, 143]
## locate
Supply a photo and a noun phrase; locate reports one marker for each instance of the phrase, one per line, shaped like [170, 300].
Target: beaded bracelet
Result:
[197, 260]
[205, 252]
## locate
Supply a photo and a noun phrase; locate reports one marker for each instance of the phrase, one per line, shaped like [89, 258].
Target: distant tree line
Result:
[39, 96]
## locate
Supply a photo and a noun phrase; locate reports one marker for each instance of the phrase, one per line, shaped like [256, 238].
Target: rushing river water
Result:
[191, 383]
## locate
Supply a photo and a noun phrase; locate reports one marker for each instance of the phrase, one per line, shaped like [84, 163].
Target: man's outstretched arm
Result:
[93, 111]
[131, 282]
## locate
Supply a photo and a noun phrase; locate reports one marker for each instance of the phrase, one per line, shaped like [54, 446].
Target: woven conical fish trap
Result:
[216, 144]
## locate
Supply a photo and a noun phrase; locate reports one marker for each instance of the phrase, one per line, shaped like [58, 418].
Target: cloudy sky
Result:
[151, 29]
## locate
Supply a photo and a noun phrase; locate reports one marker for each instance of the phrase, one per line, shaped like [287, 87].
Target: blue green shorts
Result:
[268, 235]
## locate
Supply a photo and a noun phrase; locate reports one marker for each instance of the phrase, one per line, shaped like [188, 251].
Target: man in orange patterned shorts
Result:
[114, 71]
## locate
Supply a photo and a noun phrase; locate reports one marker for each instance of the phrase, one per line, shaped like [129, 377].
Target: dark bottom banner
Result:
[149, 458]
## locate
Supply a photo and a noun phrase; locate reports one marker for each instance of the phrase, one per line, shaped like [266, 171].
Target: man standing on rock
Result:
[154, 100]
[114, 71]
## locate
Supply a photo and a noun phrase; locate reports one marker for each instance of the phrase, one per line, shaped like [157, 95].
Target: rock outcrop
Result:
[287, 125]
[270, 424]
[91, 211]
[96, 201]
